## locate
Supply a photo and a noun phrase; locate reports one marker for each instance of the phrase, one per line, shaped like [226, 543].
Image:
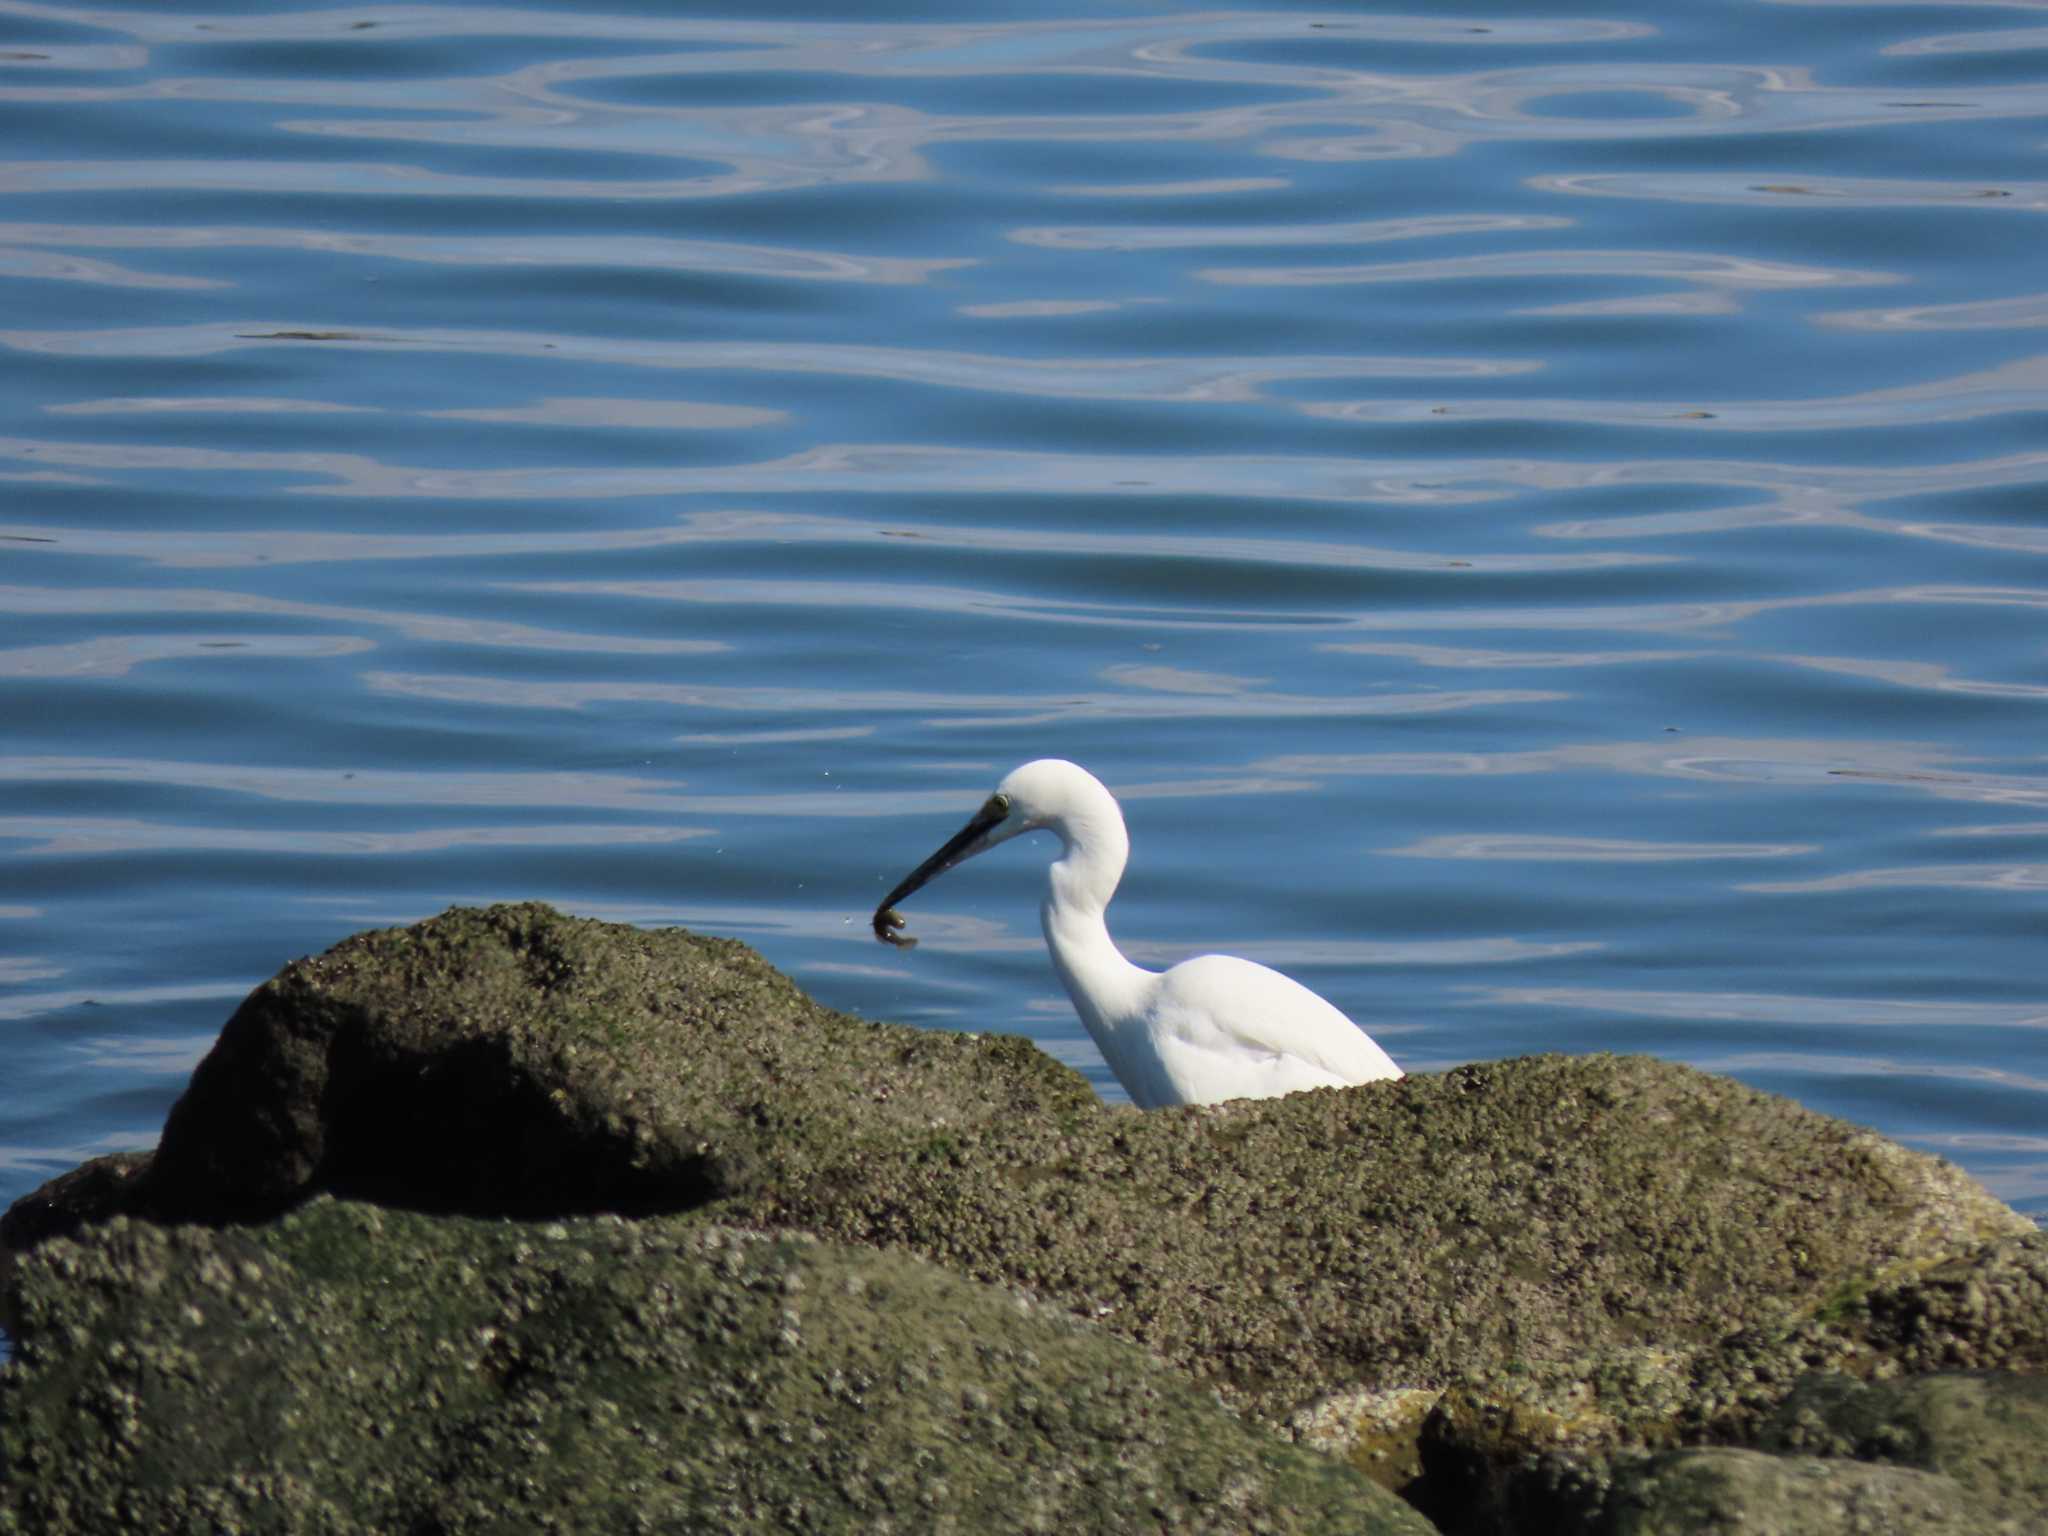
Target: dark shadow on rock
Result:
[491, 1134]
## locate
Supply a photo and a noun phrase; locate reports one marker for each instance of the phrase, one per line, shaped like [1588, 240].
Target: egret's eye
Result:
[998, 805]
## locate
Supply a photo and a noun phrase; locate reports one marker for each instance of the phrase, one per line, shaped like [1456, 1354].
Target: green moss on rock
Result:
[1390, 1236]
[1408, 1233]
[1987, 1431]
[516, 1060]
[356, 1369]
[1516, 1447]
[1575, 1260]
[1747, 1493]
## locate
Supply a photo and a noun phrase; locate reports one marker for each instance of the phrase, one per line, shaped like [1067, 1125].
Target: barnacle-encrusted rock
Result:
[354, 1369]
[1717, 1492]
[1559, 1268]
[1395, 1235]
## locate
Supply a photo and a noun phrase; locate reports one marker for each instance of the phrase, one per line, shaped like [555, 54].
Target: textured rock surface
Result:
[519, 1061]
[1393, 1235]
[1747, 1493]
[1516, 1444]
[1404, 1234]
[353, 1369]
[1561, 1268]
[1982, 1309]
[1987, 1431]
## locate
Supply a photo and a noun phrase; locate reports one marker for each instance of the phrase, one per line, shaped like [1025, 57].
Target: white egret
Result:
[1211, 1028]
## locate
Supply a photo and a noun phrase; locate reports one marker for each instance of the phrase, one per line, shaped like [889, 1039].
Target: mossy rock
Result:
[1392, 1236]
[356, 1369]
[1533, 1445]
[1985, 1430]
[517, 1061]
[1712, 1492]
[1985, 1308]
[1409, 1233]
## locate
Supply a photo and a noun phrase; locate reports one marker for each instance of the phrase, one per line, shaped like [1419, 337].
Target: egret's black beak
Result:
[961, 845]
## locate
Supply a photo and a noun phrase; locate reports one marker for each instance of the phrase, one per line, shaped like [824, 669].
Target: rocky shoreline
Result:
[514, 1221]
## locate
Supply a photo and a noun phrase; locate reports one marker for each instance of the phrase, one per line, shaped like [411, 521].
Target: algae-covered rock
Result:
[1378, 1432]
[1575, 1268]
[1526, 1446]
[1983, 1308]
[1748, 1493]
[1509, 1446]
[1405, 1234]
[353, 1369]
[1987, 1431]
[516, 1060]
[1396, 1235]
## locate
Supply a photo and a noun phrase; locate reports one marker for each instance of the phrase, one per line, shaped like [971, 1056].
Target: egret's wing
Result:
[1223, 1004]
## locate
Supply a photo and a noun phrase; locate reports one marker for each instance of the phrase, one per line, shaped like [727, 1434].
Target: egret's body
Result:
[1211, 1028]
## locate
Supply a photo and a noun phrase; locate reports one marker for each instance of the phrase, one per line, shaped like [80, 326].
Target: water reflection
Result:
[169, 1056]
[1897, 765]
[1885, 1066]
[1595, 850]
[20, 970]
[1775, 1008]
[1798, 492]
[2014, 879]
[1729, 188]
[2025, 311]
[29, 1005]
[482, 252]
[56, 266]
[650, 415]
[1167, 237]
[206, 405]
[1989, 41]
[117, 655]
[597, 792]
[1722, 274]
[214, 602]
[940, 711]
[1204, 380]
[2013, 387]
[71, 837]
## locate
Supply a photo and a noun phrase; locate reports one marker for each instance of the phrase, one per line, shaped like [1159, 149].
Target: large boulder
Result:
[352, 1369]
[1407, 1233]
[518, 1061]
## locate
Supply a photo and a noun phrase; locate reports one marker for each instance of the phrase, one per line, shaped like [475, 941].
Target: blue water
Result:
[1544, 520]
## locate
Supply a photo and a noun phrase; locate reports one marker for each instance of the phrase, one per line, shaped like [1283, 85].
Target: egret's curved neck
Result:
[1106, 988]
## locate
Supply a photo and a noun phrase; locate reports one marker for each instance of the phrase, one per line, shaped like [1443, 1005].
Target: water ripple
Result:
[546, 251]
[1599, 850]
[1205, 380]
[1709, 270]
[1846, 192]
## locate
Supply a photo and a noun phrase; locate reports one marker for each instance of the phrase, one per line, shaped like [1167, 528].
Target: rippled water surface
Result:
[1543, 519]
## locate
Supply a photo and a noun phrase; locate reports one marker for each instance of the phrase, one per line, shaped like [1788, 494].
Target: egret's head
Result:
[1048, 793]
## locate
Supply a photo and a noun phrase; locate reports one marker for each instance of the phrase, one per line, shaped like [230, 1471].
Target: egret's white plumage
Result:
[1211, 1028]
